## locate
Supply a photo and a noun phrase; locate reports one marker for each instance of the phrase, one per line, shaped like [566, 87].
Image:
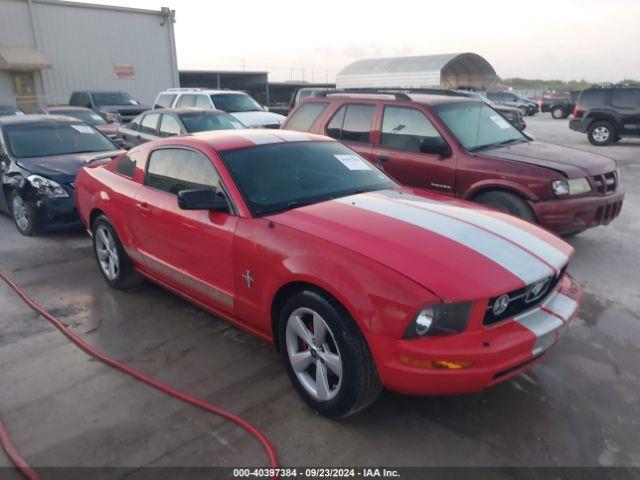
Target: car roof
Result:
[224, 140]
[206, 91]
[424, 98]
[99, 91]
[37, 118]
[179, 110]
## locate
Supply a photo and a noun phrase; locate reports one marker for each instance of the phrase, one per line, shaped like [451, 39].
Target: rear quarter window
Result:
[305, 116]
[594, 98]
[126, 166]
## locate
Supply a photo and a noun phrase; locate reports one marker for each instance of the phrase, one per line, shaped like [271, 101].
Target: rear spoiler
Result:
[105, 155]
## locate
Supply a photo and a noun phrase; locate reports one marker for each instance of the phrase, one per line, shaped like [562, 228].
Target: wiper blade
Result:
[498, 144]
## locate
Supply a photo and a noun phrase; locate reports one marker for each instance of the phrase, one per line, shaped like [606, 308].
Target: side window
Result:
[305, 116]
[174, 169]
[202, 101]
[186, 101]
[165, 100]
[405, 128]
[625, 98]
[126, 166]
[358, 122]
[135, 123]
[169, 126]
[334, 128]
[149, 123]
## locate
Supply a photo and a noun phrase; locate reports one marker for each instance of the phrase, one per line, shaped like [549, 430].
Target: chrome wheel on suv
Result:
[601, 133]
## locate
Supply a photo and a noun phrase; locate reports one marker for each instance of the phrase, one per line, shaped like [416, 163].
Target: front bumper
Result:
[56, 213]
[571, 215]
[496, 352]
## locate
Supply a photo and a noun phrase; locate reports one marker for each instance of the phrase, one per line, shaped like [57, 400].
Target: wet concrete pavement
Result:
[579, 407]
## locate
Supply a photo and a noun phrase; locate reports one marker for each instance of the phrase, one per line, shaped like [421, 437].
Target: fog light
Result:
[436, 364]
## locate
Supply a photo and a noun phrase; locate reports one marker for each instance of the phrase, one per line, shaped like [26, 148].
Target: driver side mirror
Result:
[203, 199]
[435, 146]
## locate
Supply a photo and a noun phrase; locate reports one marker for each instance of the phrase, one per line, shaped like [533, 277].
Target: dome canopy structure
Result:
[453, 70]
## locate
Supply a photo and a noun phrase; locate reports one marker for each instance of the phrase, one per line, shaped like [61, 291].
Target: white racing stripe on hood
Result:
[509, 256]
[534, 244]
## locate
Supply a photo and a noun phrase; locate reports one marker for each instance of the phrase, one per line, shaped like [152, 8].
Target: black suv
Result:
[607, 114]
[119, 107]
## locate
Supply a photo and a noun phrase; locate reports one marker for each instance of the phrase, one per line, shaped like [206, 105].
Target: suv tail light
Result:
[577, 113]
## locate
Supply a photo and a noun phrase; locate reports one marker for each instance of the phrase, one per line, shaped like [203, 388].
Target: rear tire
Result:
[558, 113]
[334, 344]
[113, 262]
[508, 203]
[601, 133]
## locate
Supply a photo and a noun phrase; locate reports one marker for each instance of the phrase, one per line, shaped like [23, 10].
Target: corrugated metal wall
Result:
[84, 43]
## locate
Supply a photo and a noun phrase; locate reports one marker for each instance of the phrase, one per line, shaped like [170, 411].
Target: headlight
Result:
[111, 117]
[440, 319]
[46, 187]
[573, 186]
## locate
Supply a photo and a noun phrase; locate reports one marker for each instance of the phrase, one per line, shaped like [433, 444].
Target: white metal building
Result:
[452, 70]
[49, 48]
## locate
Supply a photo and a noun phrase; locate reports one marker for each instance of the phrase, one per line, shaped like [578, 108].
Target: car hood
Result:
[455, 249]
[61, 168]
[570, 161]
[258, 119]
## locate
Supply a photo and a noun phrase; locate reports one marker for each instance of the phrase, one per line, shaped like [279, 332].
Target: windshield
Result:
[113, 98]
[281, 176]
[87, 117]
[202, 122]
[38, 140]
[477, 125]
[235, 102]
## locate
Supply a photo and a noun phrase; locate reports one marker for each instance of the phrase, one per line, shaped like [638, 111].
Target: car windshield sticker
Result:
[83, 128]
[353, 162]
[96, 116]
[501, 122]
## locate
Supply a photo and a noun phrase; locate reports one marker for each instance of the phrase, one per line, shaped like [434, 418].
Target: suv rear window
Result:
[165, 100]
[352, 123]
[625, 98]
[305, 116]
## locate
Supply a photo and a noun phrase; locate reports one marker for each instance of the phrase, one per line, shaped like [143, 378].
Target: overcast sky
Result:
[598, 40]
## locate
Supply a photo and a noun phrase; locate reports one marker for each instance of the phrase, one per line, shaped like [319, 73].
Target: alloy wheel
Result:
[313, 354]
[107, 253]
[600, 134]
[20, 212]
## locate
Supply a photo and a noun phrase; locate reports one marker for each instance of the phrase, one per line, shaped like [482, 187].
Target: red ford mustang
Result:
[360, 283]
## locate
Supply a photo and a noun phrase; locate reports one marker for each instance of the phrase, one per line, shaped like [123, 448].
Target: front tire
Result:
[601, 133]
[326, 355]
[508, 203]
[113, 262]
[24, 214]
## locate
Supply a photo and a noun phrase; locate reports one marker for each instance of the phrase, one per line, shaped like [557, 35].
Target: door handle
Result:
[143, 207]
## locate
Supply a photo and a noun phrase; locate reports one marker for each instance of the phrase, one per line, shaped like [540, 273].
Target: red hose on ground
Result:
[31, 475]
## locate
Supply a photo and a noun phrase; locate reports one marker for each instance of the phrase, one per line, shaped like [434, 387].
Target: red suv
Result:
[461, 147]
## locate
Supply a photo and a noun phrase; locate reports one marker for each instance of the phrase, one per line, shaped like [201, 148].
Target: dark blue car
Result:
[39, 158]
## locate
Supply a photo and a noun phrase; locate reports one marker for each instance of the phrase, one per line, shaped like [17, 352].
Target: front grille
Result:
[606, 184]
[605, 214]
[521, 300]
